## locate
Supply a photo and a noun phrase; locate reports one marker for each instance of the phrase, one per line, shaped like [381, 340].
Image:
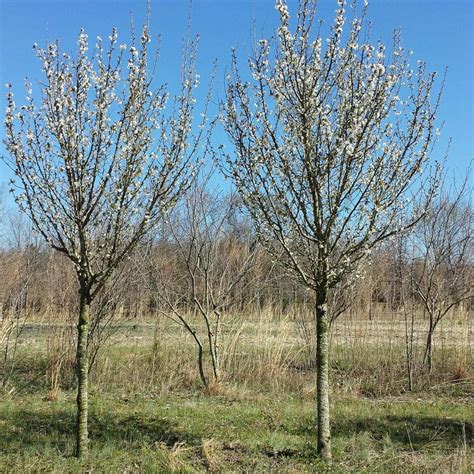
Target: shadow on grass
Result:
[409, 432]
[27, 428]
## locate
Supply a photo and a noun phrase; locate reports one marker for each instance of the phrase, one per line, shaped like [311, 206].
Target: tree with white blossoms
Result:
[100, 160]
[330, 142]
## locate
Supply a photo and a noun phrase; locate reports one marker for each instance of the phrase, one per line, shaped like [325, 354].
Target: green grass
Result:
[235, 433]
[148, 412]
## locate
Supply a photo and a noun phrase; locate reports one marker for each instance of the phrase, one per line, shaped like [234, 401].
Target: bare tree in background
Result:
[330, 138]
[20, 263]
[444, 241]
[211, 270]
[99, 162]
[403, 260]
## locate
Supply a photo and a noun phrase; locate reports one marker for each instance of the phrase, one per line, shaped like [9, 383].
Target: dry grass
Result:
[259, 418]
[259, 351]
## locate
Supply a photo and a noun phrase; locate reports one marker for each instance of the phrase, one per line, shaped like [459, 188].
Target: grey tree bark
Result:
[322, 380]
[82, 370]
[428, 355]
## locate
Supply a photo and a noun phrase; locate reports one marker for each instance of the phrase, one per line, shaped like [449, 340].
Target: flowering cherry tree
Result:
[99, 161]
[330, 138]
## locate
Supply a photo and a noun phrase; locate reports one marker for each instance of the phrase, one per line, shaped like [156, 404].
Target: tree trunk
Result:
[428, 355]
[214, 342]
[82, 368]
[429, 351]
[201, 363]
[322, 367]
[409, 337]
[409, 350]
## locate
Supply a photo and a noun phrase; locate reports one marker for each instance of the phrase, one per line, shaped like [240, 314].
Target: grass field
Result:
[149, 414]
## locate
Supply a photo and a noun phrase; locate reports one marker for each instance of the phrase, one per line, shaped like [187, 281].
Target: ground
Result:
[149, 413]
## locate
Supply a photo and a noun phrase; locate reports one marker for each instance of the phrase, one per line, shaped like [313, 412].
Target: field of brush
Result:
[149, 413]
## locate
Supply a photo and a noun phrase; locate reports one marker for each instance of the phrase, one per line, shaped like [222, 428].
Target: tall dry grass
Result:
[265, 350]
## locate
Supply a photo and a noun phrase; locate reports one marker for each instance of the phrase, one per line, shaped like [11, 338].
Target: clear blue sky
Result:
[439, 32]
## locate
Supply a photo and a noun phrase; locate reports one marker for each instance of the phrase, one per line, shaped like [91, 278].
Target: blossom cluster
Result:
[99, 160]
[331, 139]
